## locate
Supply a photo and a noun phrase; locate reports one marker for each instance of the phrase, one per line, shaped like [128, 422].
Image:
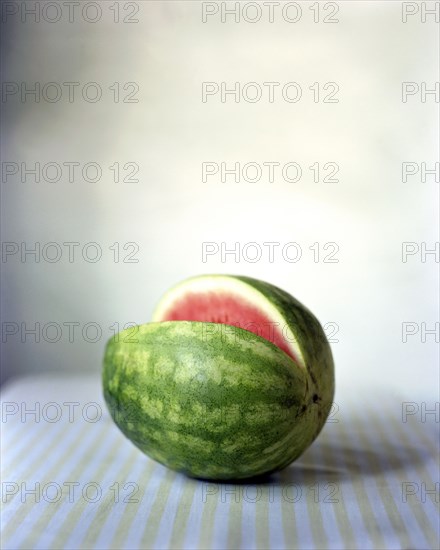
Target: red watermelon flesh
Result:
[228, 310]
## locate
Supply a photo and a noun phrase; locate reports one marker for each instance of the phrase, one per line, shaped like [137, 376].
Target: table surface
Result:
[71, 480]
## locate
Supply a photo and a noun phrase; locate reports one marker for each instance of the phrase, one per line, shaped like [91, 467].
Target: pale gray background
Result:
[170, 212]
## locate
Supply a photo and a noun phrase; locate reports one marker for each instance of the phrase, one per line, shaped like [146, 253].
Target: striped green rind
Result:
[212, 401]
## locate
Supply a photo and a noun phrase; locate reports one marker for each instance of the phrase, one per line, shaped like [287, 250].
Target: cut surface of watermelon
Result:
[229, 301]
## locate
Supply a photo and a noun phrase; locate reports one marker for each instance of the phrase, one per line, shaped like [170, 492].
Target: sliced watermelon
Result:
[227, 408]
[228, 301]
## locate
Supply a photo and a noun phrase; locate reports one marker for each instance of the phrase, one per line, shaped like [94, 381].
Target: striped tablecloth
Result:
[71, 480]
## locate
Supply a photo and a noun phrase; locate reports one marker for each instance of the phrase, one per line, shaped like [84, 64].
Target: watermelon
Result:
[232, 379]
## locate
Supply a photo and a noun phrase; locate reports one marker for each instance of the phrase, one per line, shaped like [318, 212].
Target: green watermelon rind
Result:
[217, 409]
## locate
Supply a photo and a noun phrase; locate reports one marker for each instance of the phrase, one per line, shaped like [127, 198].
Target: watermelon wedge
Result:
[233, 379]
